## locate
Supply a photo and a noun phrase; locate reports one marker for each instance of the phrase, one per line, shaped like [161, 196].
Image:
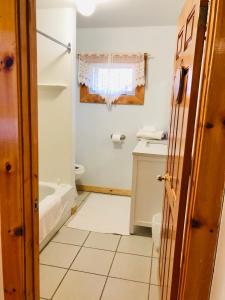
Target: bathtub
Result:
[55, 203]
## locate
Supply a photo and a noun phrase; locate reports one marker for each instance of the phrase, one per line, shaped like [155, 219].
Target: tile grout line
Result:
[110, 268]
[114, 277]
[70, 266]
[52, 239]
[120, 252]
[147, 256]
[57, 267]
[82, 245]
[70, 244]
[91, 273]
[107, 276]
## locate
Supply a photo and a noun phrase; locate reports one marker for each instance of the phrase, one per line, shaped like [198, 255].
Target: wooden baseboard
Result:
[104, 190]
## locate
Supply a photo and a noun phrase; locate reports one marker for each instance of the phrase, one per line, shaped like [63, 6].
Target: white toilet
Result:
[79, 171]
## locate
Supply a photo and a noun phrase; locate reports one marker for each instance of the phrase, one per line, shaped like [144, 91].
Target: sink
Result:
[151, 148]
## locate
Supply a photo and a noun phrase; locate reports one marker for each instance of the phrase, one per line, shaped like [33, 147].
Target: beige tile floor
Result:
[82, 265]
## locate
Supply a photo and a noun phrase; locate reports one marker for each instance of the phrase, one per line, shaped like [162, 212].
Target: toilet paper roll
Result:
[116, 138]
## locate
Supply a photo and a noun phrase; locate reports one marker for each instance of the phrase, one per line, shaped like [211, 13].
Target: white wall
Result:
[106, 165]
[218, 284]
[56, 106]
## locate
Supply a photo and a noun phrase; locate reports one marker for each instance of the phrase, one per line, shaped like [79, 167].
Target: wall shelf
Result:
[53, 85]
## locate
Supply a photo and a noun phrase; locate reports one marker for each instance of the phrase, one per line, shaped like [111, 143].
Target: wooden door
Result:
[208, 175]
[187, 70]
[18, 150]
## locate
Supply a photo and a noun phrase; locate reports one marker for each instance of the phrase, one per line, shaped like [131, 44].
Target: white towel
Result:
[151, 135]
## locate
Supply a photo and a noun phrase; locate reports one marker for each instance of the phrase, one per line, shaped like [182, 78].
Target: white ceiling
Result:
[125, 13]
[55, 3]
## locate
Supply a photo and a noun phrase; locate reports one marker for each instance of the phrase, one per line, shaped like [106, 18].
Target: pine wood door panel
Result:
[187, 67]
[10, 161]
[208, 174]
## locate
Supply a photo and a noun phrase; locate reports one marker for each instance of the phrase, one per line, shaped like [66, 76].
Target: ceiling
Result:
[55, 3]
[125, 13]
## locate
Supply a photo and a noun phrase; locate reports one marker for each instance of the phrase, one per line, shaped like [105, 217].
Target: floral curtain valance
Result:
[86, 60]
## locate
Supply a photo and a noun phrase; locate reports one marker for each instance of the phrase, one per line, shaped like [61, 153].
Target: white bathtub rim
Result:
[61, 201]
[63, 187]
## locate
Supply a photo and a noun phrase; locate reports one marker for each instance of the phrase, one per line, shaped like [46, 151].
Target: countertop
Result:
[145, 147]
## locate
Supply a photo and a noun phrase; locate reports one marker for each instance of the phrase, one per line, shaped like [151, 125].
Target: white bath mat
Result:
[103, 213]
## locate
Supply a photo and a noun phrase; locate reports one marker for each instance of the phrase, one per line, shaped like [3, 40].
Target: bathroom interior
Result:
[104, 87]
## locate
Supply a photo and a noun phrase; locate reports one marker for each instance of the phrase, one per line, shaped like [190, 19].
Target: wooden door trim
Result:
[208, 174]
[27, 11]
[18, 97]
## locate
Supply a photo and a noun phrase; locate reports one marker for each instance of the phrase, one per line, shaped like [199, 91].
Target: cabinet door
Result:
[148, 193]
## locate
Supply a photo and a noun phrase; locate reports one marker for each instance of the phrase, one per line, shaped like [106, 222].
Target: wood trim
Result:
[208, 174]
[189, 27]
[32, 210]
[103, 190]
[138, 99]
[18, 155]
[180, 41]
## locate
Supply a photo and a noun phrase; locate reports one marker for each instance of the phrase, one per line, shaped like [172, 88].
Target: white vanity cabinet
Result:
[149, 160]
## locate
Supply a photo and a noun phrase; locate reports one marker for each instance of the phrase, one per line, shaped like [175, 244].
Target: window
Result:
[112, 78]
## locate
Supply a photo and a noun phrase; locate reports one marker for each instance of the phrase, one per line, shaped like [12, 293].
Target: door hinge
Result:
[203, 16]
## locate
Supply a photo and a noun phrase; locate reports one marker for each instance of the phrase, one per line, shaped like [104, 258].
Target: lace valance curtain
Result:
[111, 75]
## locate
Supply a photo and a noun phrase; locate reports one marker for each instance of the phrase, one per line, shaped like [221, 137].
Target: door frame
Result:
[205, 203]
[19, 150]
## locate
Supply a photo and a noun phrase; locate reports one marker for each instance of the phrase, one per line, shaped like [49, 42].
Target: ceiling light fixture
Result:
[86, 7]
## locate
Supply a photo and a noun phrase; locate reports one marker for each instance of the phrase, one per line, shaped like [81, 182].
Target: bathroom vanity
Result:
[149, 160]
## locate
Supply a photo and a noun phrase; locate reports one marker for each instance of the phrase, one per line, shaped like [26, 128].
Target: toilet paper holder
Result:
[122, 137]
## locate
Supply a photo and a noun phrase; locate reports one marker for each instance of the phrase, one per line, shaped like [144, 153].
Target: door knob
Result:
[161, 177]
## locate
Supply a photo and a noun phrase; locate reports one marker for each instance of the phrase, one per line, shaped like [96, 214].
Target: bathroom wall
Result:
[105, 164]
[56, 104]
[218, 286]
